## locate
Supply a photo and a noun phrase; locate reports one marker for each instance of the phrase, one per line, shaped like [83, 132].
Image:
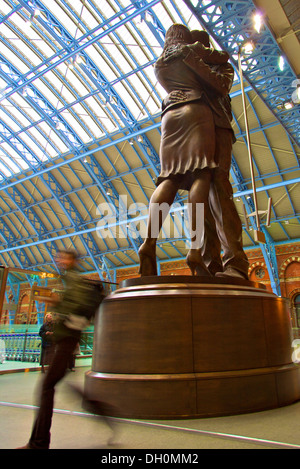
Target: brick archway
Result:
[254, 268]
[286, 263]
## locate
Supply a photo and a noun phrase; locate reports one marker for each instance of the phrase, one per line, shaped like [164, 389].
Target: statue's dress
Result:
[188, 129]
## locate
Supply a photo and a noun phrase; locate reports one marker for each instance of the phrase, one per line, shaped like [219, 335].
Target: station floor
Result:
[73, 428]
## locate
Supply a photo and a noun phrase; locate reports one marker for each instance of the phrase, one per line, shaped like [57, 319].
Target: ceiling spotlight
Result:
[248, 47]
[288, 106]
[281, 63]
[258, 22]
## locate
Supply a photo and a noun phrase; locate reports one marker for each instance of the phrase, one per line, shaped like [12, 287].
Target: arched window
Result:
[297, 309]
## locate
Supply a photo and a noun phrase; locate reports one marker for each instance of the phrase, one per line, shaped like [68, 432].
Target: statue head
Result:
[178, 34]
[200, 36]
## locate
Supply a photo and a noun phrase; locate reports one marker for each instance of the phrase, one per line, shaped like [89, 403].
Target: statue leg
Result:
[198, 201]
[211, 247]
[228, 223]
[229, 226]
[160, 204]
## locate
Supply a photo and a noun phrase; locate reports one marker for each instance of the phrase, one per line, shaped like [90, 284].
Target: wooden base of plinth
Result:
[188, 347]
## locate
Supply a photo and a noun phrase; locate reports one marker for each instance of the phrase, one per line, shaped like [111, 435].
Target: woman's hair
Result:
[177, 34]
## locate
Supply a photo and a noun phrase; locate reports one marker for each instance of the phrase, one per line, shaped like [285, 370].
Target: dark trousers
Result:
[228, 223]
[40, 436]
[223, 227]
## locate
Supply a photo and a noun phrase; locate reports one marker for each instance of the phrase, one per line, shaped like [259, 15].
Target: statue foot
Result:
[232, 272]
[147, 255]
[196, 264]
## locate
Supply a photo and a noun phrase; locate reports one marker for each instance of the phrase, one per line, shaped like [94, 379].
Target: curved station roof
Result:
[80, 126]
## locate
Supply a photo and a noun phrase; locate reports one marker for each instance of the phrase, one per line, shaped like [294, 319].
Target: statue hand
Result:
[176, 52]
[176, 96]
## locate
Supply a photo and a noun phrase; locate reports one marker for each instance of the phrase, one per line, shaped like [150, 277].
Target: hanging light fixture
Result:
[281, 63]
[258, 21]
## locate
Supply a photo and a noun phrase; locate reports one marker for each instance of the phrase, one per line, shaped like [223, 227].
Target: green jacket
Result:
[70, 312]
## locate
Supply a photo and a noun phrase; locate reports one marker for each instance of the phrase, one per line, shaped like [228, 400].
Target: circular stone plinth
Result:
[186, 347]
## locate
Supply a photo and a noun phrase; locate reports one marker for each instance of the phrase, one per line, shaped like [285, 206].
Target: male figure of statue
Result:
[223, 225]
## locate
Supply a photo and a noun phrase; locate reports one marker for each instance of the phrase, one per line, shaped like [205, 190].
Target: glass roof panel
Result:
[9, 150]
[68, 82]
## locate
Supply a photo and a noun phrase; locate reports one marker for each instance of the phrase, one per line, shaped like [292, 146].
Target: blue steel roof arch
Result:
[146, 149]
[29, 214]
[21, 203]
[241, 183]
[56, 121]
[24, 153]
[35, 98]
[3, 163]
[36, 92]
[284, 231]
[149, 152]
[70, 210]
[36, 141]
[259, 175]
[123, 108]
[63, 57]
[90, 168]
[11, 182]
[241, 186]
[14, 188]
[111, 96]
[105, 185]
[9, 237]
[109, 93]
[49, 22]
[154, 29]
[214, 20]
[129, 120]
[13, 134]
[35, 221]
[123, 209]
[276, 164]
[27, 211]
[110, 194]
[85, 148]
[4, 18]
[268, 249]
[240, 28]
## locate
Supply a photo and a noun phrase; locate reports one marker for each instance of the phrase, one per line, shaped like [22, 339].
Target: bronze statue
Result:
[195, 154]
